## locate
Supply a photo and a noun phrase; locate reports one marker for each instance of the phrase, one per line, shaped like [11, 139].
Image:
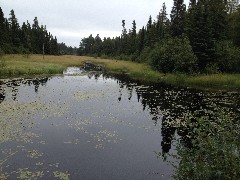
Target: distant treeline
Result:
[205, 37]
[28, 38]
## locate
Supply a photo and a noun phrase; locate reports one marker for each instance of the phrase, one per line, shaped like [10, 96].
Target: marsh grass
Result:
[16, 65]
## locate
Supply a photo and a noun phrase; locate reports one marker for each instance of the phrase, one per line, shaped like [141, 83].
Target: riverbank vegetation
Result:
[215, 150]
[203, 38]
[19, 65]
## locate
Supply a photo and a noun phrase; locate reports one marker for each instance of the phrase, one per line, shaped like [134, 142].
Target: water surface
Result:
[85, 125]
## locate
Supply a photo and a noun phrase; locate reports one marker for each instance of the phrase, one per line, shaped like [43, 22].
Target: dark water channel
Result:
[85, 125]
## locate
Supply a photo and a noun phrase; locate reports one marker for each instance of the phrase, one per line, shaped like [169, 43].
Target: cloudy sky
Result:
[71, 20]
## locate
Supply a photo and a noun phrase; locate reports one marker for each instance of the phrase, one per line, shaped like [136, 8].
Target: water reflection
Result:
[168, 106]
[172, 107]
[10, 87]
[105, 111]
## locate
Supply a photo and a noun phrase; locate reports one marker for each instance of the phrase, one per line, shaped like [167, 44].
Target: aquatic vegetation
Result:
[25, 174]
[67, 125]
[61, 175]
[22, 115]
[86, 95]
[34, 154]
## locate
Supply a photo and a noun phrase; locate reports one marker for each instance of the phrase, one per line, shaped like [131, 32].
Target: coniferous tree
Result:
[218, 19]
[36, 48]
[24, 36]
[2, 28]
[133, 37]
[149, 32]
[14, 29]
[178, 18]
[201, 35]
[141, 38]
[236, 28]
[97, 45]
[162, 23]
[124, 38]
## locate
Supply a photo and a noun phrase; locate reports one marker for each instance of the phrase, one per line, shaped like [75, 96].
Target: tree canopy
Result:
[203, 28]
[26, 38]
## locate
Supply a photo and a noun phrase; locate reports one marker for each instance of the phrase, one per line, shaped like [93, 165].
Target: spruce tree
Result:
[133, 37]
[201, 37]
[218, 19]
[162, 23]
[14, 29]
[141, 33]
[178, 18]
[36, 47]
[236, 28]
[149, 32]
[124, 39]
[2, 28]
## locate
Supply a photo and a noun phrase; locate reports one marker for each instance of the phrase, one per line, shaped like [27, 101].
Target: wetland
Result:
[85, 124]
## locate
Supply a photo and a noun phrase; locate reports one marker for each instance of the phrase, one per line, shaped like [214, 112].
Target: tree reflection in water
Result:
[10, 87]
[174, 108]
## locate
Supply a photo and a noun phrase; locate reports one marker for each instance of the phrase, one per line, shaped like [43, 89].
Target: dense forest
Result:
[201, 37]
[28, 38]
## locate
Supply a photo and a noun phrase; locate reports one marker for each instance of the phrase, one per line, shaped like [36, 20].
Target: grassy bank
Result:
[16, 65]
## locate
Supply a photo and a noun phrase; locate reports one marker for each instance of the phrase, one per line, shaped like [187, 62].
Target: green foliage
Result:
[215, 153]
[173, 55]
[2, 60]
[228, 57]
[25, 39]
[236, 28]
[178, 18]
[212, 68]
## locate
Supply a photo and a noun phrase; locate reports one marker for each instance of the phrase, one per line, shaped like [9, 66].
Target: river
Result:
[87, 125]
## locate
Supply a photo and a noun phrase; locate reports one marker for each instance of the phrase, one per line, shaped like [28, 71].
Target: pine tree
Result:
[236, 28]
[36, 47]
[2, 28]
[97, 47]
[162, 23]
[14, 29]
[178, 18]
[24, 36]
[141, 33]
[124, 39]
[149, 32]
[54, 46]
[201, 34]
[218, 19]
[133, 37]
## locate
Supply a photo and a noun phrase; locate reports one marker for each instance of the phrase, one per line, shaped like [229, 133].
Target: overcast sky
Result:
[71, 20]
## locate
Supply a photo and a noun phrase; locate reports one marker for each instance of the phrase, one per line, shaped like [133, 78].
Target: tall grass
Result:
[15, 65]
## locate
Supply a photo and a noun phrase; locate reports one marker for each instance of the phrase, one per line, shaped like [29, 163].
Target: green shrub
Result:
[228, 57]
[144, 55]
[212, 68]
[2, 60]
[173, 55]
[215, 153]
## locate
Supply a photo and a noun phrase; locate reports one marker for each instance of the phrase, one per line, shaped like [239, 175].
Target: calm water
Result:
[88, 126]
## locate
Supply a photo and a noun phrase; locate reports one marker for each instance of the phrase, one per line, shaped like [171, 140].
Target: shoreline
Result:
[22, 65]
